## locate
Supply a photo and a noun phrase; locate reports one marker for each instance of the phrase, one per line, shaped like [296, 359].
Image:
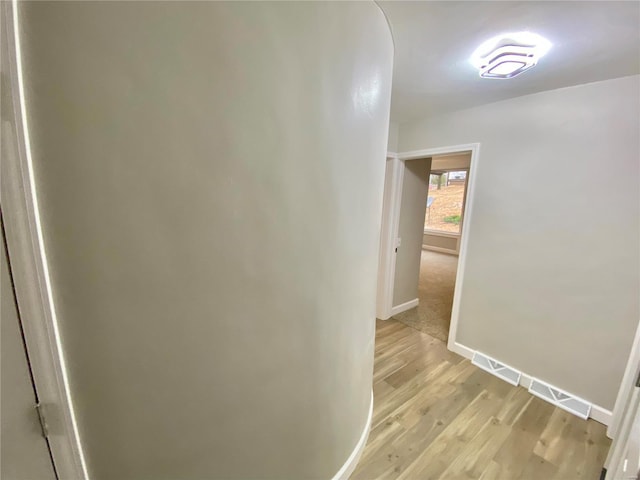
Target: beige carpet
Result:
[435, 291]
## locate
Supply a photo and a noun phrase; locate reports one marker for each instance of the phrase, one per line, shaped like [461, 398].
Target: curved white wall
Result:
[210, 180]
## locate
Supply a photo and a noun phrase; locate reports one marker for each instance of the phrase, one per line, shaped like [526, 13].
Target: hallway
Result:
[437, 416]
[435, 292]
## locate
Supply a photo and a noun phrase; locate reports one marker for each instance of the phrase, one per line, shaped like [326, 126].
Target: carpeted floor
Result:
[435, 292]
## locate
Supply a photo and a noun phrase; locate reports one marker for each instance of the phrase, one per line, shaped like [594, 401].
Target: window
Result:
[444, 204]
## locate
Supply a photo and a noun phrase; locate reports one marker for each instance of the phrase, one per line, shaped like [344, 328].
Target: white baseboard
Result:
[601, 415]
[598, 413]
[350, 465]
[461, 350]
[405, 306]
[439, 249]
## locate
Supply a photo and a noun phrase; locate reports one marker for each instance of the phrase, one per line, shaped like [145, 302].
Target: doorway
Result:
[440, 243]
[430, 207]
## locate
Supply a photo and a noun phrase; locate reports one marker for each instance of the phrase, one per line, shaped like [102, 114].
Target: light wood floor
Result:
[438, 416]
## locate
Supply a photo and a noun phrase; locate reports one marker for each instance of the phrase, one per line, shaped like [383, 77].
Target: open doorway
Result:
[425, 232]
[441, 234]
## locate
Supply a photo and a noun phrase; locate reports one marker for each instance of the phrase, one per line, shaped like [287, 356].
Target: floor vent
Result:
[564, 400]
[500, 370]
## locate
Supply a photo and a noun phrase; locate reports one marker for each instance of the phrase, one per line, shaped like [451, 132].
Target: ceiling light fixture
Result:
[509, 54]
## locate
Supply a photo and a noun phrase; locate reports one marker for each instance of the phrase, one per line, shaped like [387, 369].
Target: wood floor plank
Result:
[384, 342]
[582, 457]
[479, 451]
[388, 368]
[493, 471]
[398, 454]
[596, 450]
[436, 457]
[516, 402]
[408, 347]
[384, 327]
[379, 438]
[437, 416]
[407, 392]
[523, 437]
[381, 390]
[572, 456]
[549, 445]
[457, 394]
[536, 468]
[431, 356]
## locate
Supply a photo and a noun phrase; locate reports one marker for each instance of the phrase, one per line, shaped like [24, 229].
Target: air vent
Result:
[562, 399]
[498, 369]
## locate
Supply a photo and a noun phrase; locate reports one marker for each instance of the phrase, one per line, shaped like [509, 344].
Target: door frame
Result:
[394, 176]
[625, 411]
[29, 267]
[390, 225]
[627, 386]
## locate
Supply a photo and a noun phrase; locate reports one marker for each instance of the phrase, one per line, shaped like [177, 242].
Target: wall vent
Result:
[562, 399]
[506, 373]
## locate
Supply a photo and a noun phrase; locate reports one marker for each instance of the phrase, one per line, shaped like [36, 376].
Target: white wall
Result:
[413, 206]
[167, 137]
[551, 279]
[394, 129]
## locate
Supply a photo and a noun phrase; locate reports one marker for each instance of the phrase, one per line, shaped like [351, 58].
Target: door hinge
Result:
[42, 420]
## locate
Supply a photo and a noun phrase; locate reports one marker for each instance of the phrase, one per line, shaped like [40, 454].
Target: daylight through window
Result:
[445, 200]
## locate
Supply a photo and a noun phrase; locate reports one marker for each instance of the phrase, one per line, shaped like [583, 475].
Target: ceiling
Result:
[592, 41]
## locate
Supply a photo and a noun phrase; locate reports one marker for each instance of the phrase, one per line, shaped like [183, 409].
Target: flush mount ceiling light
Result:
[509, 54]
